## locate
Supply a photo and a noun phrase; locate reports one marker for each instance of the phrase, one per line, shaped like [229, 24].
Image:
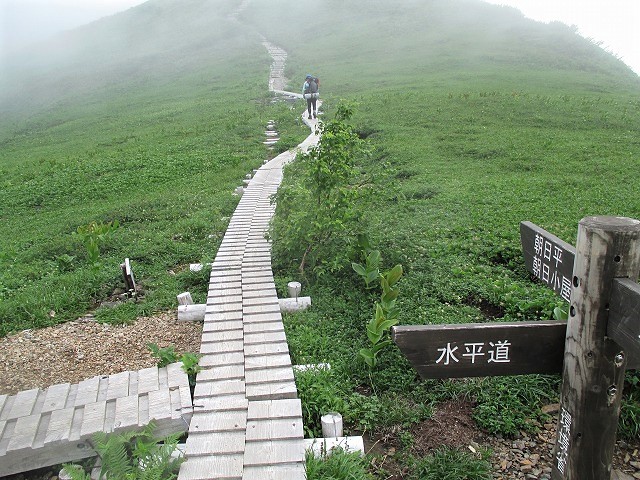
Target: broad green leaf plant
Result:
[386, 311]
[94, 236]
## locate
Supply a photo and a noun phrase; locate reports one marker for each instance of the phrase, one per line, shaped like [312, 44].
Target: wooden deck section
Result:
[39, 428]
[247, 421]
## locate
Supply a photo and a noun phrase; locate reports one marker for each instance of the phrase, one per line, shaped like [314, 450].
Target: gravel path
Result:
[74, 351]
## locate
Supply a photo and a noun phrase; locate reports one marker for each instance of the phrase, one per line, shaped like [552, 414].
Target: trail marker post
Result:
[592, 350]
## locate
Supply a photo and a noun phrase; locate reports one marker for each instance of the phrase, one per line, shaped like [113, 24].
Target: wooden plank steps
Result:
[247, 420]
[39, 428]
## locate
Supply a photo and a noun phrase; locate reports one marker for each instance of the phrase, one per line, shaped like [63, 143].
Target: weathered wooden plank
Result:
[266, 349]
[265, 337]
[222, 347]
[215, 443]
[276, 374]
[3, 401]
[87, 391]
[267, 308]
[275, 472]
[23, 404]
[269, 361]
[253, 301]
[118, 385]
[220, 466]
[24, 433]
[273, 452]
[176, 376]
[265, 327]
[59, 428]
[274, 429]
[264, 293]
[222, 387]
[271, 391]
[222, 317]
[148, 380]
[224, 403]
[103, 388]
[224, 372]
[159, 405]
[262, 317]
[215, 359]
[43, 426]
[8, 405]
[222, 292]
[133, 382]
[221, 421]
[56, 397]
[287, 408]
[221, 326]
[181, 404]
[257, 286]
[126, 415]
[624, 319]
[233, 306]
[222, 336]
[482, 349]
[93, 419]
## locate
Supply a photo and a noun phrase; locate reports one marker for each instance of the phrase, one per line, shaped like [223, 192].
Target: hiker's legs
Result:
[313, 102]
[309, 101]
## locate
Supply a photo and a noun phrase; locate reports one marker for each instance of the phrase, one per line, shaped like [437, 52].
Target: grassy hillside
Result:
[477, 119]
[151, 118]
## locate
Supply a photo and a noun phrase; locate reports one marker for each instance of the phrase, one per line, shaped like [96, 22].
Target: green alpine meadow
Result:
[447, 123]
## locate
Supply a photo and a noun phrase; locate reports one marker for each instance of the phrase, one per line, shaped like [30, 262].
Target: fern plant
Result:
[133, 456]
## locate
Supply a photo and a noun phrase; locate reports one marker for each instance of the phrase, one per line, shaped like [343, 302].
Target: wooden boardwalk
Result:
[247, 421]
[39, 428]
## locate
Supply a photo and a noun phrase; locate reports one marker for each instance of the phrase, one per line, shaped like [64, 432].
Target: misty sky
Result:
[614, 22]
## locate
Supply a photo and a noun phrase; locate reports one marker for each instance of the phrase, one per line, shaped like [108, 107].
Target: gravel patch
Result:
[74, 351]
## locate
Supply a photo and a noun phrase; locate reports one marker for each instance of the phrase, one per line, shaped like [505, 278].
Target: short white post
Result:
[331, 425]
[294, 289]
[185, 299]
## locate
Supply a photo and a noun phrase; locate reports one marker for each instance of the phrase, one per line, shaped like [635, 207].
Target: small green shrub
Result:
[318, 206]
[507, 405]
[165, 355]
[453, 464]
[93, 236]
[320, 394]
[190, 365]
[336, 465]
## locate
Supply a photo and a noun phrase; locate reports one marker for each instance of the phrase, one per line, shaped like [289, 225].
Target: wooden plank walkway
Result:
[247, 421]
[39, 428]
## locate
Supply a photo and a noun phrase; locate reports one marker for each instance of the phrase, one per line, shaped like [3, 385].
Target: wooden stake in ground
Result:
[594, 365]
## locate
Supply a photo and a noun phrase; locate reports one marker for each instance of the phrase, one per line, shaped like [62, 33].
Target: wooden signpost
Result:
[592, 350]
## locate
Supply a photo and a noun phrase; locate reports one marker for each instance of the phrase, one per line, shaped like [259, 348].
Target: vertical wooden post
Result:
[593, 372]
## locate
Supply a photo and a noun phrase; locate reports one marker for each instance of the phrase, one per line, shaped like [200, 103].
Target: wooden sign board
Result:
[483, 349]
[548, 258]
[551, 260]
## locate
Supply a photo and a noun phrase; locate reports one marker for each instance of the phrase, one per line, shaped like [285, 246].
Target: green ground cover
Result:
[157, 146]
[476, 119]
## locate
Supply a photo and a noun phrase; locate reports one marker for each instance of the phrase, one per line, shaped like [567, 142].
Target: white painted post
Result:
[185, 299]
[331, 425]
[294, 289]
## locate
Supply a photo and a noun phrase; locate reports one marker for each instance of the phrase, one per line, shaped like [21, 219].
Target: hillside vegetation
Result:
[476, 118]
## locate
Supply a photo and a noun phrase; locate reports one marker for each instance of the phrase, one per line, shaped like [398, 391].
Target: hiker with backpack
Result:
[310, 91]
